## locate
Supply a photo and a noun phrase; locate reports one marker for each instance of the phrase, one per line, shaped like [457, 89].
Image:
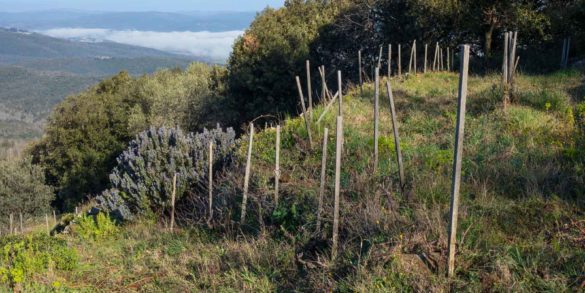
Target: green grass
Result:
[521, 215]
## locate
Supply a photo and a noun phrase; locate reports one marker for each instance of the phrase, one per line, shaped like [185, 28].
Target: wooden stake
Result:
[173, 196]
[323, 178]
[376, 115]
[54, 217]
[459, 136]
[399, 61]
[396, 136]
[411, 56]
[505, 63]
[333, 99]
[47, 224]
[277, 167]
[210, 183]
[361, 72]
[340, 91]
[323, 83]
[436, 59]
[309, 90]
[11, 224]
[414, 53]
[564, 54]
[338, 149]
[21, 225]
[307, 120]
[380, 56]
[426, 50]
[247, 175]
[441, 59]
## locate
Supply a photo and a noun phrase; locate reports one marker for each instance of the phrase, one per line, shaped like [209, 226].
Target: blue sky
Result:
[140, 5]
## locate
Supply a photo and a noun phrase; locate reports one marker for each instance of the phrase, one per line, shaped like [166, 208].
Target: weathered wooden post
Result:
[340, 91]
[505, 71]
[323, 83]
[173, 197]
[21, 224]
[54, 217]
[277, 166]
[361, 77]
[76, 211]
[426, 50]
[380, 56]
[323, 178]
[459, 136]
[306, 118]
[389, 60]
[396, 136]
[247, 175]
[376, 115]
[410, 60]
[338, 150]
[309, 90]
[399, 61]
[563, 55]
[441, 59]
[47, 224]
[414, 64]
[512, 58]
[210, 183]
[11, 224]
[436, 58]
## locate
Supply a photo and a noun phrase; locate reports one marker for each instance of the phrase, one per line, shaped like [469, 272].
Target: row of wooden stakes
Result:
[328, 100]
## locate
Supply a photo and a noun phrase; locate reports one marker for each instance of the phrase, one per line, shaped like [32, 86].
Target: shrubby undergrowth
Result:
[142, 182]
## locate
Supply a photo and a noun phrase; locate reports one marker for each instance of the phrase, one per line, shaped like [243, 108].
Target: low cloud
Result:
[214, 45]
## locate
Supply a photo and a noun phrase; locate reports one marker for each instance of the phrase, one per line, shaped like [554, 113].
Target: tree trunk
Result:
[489, 39]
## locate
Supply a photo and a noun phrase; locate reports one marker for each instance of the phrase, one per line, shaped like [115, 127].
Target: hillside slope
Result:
[521, 216]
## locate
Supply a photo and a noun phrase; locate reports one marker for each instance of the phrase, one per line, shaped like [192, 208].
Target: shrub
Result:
[21, 257]
[95, 227]
[23, 189]
[143, 180]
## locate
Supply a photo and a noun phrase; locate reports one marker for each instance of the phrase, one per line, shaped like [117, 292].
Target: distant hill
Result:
[37, 72]
[18, 46]
[146, 21]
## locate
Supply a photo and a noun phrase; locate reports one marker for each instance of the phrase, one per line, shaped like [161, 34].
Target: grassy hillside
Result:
[522, 218]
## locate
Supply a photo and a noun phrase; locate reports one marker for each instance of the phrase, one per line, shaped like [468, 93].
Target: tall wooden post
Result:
[410, 59]
[414, 64]
[247, 175]
[210, 183]
[11, 224]
[459, 136]
[277, 167]
[505, 68]
[396, 136]
[380, 56]
[47, 224]
[55, 217]
[323, 84]
[389, 60]
[309, 90]
[436, 59]
[376, 115]
[323, 178]
[173, 197]
[361, 72]
[338, 150]
[307, 120]
[426, 50]
[441, 59]
[399, 61]
[340, 91]
[21, 224]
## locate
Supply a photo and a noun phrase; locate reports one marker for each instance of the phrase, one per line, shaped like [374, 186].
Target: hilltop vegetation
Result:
[116, 148]
[521, 210]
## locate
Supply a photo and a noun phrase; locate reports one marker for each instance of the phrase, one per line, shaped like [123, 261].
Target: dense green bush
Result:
[86, 132]
[95, 227]
[143, 179]
[23, 189]
[22, 257]
[272, 51]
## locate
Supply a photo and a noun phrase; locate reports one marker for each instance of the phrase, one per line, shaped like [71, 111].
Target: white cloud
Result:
[214, 45]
